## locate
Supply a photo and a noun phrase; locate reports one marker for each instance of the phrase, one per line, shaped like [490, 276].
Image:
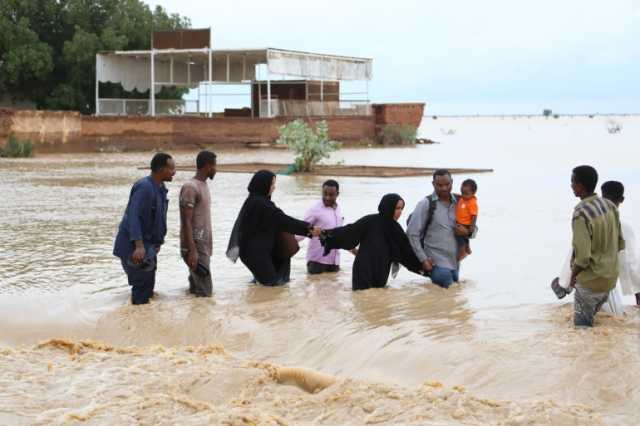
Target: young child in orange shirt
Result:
[466, 215]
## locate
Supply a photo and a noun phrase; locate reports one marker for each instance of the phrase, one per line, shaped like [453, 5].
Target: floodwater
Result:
[496, 349]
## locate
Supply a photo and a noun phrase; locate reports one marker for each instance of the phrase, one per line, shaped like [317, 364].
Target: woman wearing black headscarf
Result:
[259, 228]
[382, 242]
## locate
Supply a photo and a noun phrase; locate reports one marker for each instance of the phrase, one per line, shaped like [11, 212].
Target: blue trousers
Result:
[141, 282]
[443, 277]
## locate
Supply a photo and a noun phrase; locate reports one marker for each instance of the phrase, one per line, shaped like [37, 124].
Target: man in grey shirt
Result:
[432, 231]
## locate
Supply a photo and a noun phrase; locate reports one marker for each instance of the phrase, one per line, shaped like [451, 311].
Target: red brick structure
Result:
[398, 114]
[62, 131]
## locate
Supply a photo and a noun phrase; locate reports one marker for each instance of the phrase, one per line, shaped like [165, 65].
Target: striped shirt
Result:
[597, 239]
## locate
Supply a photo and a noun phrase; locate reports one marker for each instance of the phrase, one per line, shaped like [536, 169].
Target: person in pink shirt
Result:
[327, 215]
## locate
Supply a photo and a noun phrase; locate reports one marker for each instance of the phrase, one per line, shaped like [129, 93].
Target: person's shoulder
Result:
[143, 184]
[318, 205]
[426, 201]
[190, 183]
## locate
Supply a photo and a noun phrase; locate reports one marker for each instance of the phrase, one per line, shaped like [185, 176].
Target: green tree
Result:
[48, 47]
[25, 59]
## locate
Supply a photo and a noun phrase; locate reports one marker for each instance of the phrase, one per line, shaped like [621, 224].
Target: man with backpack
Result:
[432, 231]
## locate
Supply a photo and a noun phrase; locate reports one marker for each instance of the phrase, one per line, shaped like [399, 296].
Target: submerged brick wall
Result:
[42, 128]
[56, 131]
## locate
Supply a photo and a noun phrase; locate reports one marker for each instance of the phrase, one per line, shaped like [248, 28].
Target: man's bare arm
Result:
[186, 233]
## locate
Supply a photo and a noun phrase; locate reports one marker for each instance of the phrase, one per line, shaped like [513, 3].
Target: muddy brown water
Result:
[496, 349]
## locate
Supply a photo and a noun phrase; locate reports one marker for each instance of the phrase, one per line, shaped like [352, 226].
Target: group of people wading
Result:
[264, 238]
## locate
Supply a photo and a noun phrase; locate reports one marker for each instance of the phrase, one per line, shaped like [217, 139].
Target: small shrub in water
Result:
[17, 149]
[310, 147]
[399, 135]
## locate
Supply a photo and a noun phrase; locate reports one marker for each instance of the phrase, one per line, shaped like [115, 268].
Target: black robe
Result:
[382, 242]
[255, 233]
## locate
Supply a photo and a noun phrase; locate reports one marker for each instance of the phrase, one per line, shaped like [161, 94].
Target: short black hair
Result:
[159, 161]
[333, 183]
[613, 190]
[204, 158]
[471, 184]
[587, 176]
[441, 172]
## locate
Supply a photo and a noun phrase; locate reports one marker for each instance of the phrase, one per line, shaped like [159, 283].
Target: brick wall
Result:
[52, 131]
[403, 114]
[43, 128]
[56, 131]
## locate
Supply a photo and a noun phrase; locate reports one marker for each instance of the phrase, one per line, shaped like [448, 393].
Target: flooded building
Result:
[278, 82]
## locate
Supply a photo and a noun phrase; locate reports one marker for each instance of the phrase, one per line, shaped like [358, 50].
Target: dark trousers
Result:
[269, 271]
[201, 283]
[319, 268]
[141, 282]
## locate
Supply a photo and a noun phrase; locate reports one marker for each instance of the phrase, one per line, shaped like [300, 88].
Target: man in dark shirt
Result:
[143, 228]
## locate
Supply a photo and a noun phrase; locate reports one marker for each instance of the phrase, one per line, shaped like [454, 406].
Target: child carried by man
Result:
[466, 215]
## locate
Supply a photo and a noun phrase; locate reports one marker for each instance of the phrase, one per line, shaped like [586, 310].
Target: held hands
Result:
[315, 231]
[427, 265]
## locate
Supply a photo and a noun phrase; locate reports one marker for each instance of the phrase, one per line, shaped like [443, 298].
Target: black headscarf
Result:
[260, 183]
[392, 230]
[387, 206]
[259, 187]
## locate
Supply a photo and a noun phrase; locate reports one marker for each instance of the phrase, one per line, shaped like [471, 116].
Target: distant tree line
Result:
[48, 48]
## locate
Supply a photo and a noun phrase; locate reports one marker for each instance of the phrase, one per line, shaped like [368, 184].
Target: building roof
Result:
[189, 67]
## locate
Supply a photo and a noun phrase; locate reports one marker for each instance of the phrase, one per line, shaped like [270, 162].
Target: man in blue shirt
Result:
[143, 228]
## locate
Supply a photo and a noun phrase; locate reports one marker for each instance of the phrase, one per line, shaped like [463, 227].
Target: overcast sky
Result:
[460, 57]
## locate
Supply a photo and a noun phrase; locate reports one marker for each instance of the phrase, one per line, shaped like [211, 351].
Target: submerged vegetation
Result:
[398, 135]
[16, 148]
[310, 146]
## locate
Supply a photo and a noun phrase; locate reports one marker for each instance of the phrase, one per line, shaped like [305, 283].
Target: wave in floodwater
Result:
[62, 381]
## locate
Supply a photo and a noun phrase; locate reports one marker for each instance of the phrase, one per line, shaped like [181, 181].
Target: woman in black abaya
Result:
[382, 242]
[258, 230]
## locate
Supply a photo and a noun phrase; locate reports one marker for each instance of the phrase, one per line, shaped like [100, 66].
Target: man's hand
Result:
[573, 280]
[462, 231]
[354, 251]
[427, 265]
[192, 259]
[316, 231]
[138, 254]
[158, 249]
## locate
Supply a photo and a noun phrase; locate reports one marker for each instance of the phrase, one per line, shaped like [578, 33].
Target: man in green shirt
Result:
[597, 239]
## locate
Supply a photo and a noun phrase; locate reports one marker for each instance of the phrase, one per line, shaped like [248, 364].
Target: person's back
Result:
[597, 236]
[596, 242]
